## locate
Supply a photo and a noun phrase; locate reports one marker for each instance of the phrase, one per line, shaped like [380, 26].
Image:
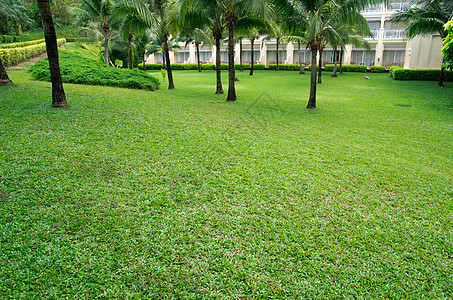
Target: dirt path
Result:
[28, 62]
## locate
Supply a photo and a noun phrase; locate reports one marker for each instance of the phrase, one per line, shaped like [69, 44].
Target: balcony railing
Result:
[373, 8]
[398, 5]
[375, 34]
[394, 34]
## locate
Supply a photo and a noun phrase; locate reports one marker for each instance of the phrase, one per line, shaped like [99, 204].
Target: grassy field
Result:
[178, 194]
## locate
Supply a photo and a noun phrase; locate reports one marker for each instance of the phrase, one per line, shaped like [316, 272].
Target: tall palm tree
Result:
[426, 18]
[319, 17]
[12, 10]
[198, 36]
[99, 16]
[140, 42]
[58, 94]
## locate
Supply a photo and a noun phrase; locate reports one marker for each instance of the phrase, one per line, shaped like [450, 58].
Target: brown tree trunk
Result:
[106, 48]
[4, 79]
[197, 45]
[441, 77]
[144, 61]
[276, 69]
[231, 74]
[240, 55]
[320, 65]
[300, 60]
[341, 60]
[58, 94]
[252, 41]
[219, 89]
[312, 98]
[334, 74]
[171, 85]
[128, 55]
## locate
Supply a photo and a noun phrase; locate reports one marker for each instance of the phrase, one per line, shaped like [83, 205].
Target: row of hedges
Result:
[15, 55]
[9, 38]
[289, 67]
[377, 69]
[347, 68]
[194, 66]
[399, 73]
[22, 44]
[82, 70]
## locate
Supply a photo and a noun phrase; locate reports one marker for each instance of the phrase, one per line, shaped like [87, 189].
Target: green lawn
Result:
[178, 194]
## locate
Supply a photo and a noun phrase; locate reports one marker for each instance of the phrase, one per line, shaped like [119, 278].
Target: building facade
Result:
[389, 47]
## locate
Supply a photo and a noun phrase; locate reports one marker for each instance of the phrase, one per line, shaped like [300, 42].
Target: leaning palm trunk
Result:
[171, 85]
[441, 77]
[334, 74]
[320, 65]
[252, 41]
[4, 79]
[231, 74]
[341, 60]
[219, 89]
[300, 60]
[312, 98]
[58, 94]
[144, 61]
[129, 52]
[197, 45]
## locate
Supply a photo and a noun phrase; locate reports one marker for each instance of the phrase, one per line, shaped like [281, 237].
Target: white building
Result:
[389, 46]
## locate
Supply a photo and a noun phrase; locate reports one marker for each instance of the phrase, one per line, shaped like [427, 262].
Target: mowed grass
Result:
[178, 194]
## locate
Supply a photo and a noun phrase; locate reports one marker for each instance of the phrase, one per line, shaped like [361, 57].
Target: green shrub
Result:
[208, 66]
[23, 44]
[354, 68]
[186, 66]
[417, 74]
[330, 67]
[259, 67]
[150, 66]
[7, 38]
[289, 67]
[392, 69]
[81, 70]
[309, 67]
[377, 69]
[12, 56]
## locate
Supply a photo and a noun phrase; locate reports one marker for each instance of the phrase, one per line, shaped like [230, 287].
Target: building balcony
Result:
[394, 34]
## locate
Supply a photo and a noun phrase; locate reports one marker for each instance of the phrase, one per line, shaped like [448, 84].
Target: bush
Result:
[354, 68]
[417, 74]
[13, 56]
[259, 67]
[309, 67]
[81, 70]
[9, 38]
[244, 66]
[208, 66]
[392, 69]
[377, 69]
[151, 66]
[23, 44]
[289, 67]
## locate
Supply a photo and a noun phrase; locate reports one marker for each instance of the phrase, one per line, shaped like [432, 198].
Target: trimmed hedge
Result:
[13, 56]
[418, 74]
[81, 70]
[393, 68]
[347, 68]
[9, 38]
[377, 69]
[194, 66]
[289, 67]
[23, 44]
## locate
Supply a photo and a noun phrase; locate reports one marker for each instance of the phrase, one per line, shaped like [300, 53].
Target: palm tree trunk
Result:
[197, 45]
[320, 65]
[144, 61]
[335, 62]
[341, 60]
[58, 94]
[219, 89]
[312, 98]
[300, 60]
[106, 46]
[231, 74]
[441, 77]
[171, 85]
[252, 41]
[128, 55]
[278, 39]
[4, 79]
[240, 55]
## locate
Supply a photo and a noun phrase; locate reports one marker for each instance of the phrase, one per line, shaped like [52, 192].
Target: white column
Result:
[263, 54]
[151, 59]
[237, 58]
[380, 45]
[289, 53]
[192, 54]
[212, 60]
[347, 54]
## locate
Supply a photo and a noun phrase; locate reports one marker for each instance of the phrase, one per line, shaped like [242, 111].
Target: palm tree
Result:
[319, 17]
[100, 17]
[198, 37]
[58, 94]
[12, 10]
[140, 42]
[426, 18]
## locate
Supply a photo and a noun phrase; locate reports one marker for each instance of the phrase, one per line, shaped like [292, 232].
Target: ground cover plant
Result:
[78, 67]
[178, 194]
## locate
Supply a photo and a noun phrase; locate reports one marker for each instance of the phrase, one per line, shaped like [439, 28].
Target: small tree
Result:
[447, 49]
